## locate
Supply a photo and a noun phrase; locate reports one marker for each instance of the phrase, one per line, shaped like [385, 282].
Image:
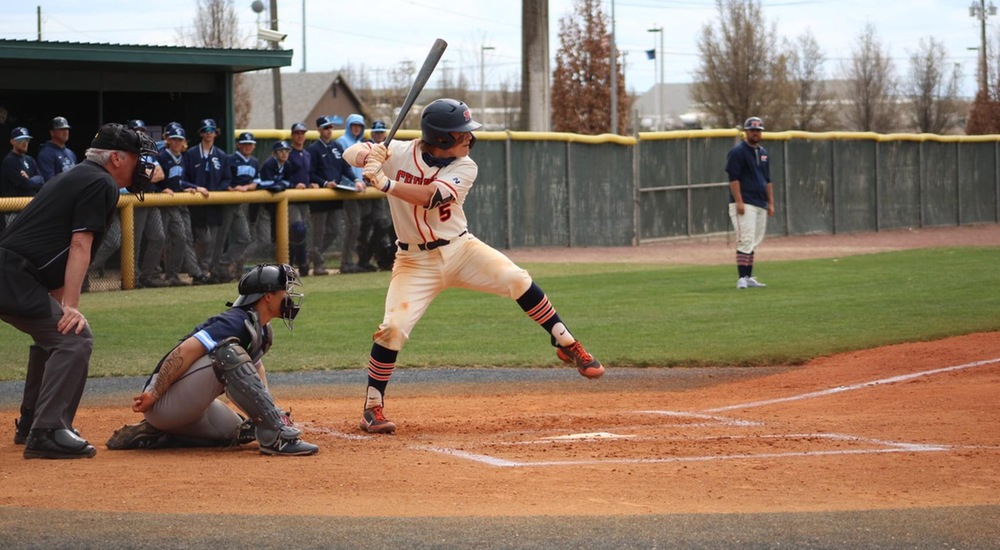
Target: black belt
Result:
[430, 245]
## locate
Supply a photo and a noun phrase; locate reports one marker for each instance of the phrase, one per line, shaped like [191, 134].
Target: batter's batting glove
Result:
[375, 176]
[378, 152]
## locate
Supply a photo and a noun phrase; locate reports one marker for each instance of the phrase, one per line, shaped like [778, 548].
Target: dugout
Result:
[91, 84]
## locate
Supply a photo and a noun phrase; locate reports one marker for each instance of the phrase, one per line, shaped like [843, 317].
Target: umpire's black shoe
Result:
[22, 426]
[57, 443]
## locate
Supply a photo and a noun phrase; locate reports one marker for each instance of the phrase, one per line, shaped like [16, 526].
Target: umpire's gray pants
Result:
[190, 406]
[57, 368]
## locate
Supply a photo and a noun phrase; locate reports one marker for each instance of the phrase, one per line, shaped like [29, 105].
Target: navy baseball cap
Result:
[175, 130]
[59, 123]
[298, 127]
[246, 137]
[324, 121]
[280, 146]
[137, 124]
[379, 126]
[208, 125]
[20, 133]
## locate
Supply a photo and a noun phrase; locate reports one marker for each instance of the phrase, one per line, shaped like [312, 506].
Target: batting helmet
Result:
[753, 123]
[443, 116]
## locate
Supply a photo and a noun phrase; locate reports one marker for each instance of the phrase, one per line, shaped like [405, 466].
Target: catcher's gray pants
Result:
[190, 406]
[57, 368]
[180, 243]
[149, 224]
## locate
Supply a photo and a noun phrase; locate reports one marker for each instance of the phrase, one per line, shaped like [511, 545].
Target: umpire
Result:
[44, 256]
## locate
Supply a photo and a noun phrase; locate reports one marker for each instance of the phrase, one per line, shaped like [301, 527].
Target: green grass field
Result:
[626, 314]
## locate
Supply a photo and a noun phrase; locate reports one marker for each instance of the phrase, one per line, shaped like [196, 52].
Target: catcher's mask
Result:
[117, 137]
[265, 278]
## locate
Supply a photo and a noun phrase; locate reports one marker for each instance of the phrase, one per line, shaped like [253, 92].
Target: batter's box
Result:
[610, 448]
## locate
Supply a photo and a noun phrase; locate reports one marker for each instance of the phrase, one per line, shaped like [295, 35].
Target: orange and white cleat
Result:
[586, 364]
[374, 421]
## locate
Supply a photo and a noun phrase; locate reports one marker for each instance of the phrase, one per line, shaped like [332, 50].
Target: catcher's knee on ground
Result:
[244, 387]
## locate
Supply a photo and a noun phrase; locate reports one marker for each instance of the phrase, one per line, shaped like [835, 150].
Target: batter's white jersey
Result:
[417, 224]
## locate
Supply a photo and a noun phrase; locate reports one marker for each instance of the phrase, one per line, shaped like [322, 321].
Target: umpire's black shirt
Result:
[80, 199]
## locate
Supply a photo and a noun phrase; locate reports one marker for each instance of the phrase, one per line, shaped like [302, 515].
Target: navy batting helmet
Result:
[753, 123]
[442, 116]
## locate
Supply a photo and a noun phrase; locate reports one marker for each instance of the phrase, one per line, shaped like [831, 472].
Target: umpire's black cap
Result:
[116, 137]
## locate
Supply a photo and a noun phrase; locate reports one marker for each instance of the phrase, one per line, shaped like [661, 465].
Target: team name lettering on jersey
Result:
[405, 177]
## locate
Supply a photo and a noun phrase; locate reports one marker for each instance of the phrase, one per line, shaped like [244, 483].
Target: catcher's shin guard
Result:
[235, 369]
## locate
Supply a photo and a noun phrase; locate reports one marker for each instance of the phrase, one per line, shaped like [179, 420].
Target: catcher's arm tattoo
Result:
[174, 366]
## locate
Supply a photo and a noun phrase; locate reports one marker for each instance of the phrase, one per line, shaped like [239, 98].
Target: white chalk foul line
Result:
[715, 419]
[889, 447]
[839, 389]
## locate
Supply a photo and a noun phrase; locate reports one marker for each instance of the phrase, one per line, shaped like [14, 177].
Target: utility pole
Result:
[279, 108]
[979, 10]
[614, 74]
[482, 80]
[659, 82]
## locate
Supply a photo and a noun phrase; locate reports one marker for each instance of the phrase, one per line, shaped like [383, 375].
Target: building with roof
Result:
[91, 84]
[304, 96]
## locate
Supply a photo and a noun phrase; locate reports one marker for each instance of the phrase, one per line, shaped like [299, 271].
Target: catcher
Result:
[222, 355]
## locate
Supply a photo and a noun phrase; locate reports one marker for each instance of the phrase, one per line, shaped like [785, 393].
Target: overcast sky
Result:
[378, 35]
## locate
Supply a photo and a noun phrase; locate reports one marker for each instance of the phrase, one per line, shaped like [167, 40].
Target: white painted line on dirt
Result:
[719, 419]
[586, 437]
[504, 463]
[485, 459]
[839, 389]
[335, 433]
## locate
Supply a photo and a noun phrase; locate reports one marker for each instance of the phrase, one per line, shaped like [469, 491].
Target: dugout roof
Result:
[94, 83]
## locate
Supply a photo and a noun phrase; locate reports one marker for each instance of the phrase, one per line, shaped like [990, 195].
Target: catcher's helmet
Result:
[265, 278]
[753, 123]
[442, 116]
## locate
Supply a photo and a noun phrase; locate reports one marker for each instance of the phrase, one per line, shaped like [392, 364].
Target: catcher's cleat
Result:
[586, 364]
[289, 447]
[374, 421]
[139, 436]
[752, 282]
[21, 428]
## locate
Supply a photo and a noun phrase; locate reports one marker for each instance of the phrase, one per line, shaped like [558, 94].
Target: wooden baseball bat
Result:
[437, 50]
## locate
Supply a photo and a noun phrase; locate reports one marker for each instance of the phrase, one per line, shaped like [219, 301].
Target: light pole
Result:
[482, 78]
[614, 74]
[659, 82]
[979, 10]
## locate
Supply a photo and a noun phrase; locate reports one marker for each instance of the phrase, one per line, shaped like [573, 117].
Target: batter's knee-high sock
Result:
[537, 306]
[744, 263]
[380, 364]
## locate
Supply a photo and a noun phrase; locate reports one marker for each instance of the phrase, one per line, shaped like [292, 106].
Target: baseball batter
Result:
[751, 198]
[427, 182]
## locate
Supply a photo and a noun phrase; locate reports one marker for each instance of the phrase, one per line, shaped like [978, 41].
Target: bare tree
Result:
[216, 26]
[811, 111]
[743, 72]
[933, 89]
[581, 83]
[872, 85]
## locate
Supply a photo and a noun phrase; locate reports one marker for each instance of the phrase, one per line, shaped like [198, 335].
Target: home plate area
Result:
[668, 436]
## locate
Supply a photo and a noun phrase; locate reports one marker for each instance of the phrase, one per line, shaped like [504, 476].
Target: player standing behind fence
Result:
[751, 198]
[431, 179]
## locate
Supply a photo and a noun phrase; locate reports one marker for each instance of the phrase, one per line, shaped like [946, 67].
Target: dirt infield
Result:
[902, 427]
